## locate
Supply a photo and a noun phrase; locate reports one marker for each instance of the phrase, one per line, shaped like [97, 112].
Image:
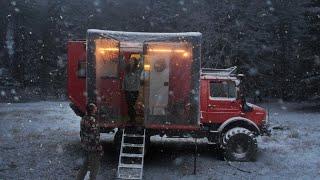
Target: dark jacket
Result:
[90, 134]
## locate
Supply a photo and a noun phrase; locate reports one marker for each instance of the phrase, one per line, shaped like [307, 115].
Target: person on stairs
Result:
[131, 86]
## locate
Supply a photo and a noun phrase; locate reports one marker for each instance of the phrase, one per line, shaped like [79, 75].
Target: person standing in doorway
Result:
[90, 141]
[131, 85]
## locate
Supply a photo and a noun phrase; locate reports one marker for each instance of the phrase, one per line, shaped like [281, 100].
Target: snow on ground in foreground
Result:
[40, 141]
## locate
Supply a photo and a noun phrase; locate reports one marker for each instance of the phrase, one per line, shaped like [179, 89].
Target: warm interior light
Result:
[107, 54]
[185, 54]
[168, 50]
[137, 56]
[182, 51]
[160, 50]
[179, 51]
[108, 49]
[147, 67]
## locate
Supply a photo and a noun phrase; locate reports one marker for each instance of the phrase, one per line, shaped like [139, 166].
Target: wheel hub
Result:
[240, 150]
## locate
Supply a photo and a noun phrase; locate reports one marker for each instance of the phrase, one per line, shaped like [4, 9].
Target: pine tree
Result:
[310, 53]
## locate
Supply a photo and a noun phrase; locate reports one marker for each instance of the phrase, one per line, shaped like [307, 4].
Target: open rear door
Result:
[77, 74]
[104, 87]
[168, 87]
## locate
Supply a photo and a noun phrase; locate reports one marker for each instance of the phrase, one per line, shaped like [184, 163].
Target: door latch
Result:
[211, 106]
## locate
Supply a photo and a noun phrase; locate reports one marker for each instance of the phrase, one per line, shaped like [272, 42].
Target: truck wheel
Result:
[240, 144]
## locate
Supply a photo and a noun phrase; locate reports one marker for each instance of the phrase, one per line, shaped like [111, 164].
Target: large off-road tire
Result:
[239, 144]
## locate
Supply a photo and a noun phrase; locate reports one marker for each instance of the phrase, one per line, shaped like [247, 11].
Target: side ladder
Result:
[131, 155]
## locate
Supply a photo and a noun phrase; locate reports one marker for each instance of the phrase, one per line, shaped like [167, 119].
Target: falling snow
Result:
[274, 43]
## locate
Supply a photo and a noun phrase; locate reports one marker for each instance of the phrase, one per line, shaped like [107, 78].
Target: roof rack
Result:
[219, 72]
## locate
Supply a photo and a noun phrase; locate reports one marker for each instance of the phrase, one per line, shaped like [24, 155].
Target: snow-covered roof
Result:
[219, 77]
[143, 36]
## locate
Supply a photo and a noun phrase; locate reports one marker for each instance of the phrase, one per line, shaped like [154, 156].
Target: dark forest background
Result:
[275, 43]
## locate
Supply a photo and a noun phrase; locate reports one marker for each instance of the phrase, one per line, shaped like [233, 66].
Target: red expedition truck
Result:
[177, 98]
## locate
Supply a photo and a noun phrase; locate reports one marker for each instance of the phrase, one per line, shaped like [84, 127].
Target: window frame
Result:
[80, 63]
[222, 98]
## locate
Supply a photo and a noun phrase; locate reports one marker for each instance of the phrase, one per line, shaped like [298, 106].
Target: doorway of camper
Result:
[132, 61]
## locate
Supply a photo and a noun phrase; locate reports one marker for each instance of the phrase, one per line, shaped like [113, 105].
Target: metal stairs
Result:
[131, 155]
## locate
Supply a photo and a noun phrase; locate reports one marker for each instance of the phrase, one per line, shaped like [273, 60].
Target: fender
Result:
[233, 119]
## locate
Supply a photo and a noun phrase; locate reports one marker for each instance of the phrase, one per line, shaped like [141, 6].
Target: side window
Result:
[222, 89]
[81, 71]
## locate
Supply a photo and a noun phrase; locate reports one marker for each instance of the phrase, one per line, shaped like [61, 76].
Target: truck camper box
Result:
[169, 93]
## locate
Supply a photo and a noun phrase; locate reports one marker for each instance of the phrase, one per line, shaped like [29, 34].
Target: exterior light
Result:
[179, 51]
[102, 50]
[168, 50]
[160, 50]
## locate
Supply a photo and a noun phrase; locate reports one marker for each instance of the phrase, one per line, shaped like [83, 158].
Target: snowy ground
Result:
[40, 141]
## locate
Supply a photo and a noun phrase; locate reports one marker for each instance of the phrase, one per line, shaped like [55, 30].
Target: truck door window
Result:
[223, 89]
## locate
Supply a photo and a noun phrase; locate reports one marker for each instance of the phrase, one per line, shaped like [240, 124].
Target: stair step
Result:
[131, 155]
[132, 145]
[133, 135]
[124, 176]
[135, 169]
[136, 166]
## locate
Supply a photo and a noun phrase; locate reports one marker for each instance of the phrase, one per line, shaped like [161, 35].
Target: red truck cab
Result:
[229, 120]
[222, 104]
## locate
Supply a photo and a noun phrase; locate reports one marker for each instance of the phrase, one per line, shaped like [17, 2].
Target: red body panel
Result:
[180, 79]
[257, 115]
[76, 85]
[217, 110]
